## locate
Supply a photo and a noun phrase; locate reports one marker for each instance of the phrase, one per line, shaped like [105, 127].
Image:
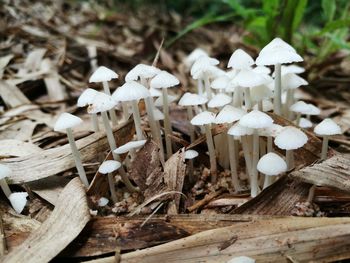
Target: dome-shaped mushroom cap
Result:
[327, 127]
[220, 82]
[194, 55]
[86, 97]
[4, 171]
[267, 105]
[313, 110]
[103, 201]
[219, 100]
[211, 72]
[65, 121]
[292, 81]
[155, 92]
[256, 120]
[277, 52]
[109, 166]
[164, 80]
[158, 115]
[272, 130]
[102, 102]
[190, 154]
[290, 138]
[238, 130]
[291, 69]
[262, 70]
[205, 117]
[129, 146]
[191, 99]
[241, 259]
[229, 114]
[202, 64]
[260, 92]
[305, 123]
[248, 78]
[300, 107]
[159, 101]
[271, 164]
[141, 71]
[130, 91]
[103, 74]
[240, 60]
[18, 201]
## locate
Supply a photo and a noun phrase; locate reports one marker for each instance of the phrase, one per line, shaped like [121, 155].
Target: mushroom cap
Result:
[202, 64]
[103, 201]
[194, 55]
[129, 146]
[109, 166]
[220, 82]
[256, 120]
[190, 154]
[159, 101]
[240, 60]
[155, 92]
[327, 127]
[18, 201]
[65, 121]
[141, 71]
[86, 97]
[290, 138]
[4, 171]
[130, 91]
[260, 92]
[238, 130]
[191, 99]
[262, 70]
[267, 105]
[247, 78]
[211, 72]
[229, 114]
[164, 80]
[103, 74]
[102, 102]
[277, 52]
[203, 118]
[158, 115]
[219, 100]
[305, 123]
[313, 110]
[300, 107]
[271, 164]
[272, 130]
[291, 69]
[241, 259]
[292, 81]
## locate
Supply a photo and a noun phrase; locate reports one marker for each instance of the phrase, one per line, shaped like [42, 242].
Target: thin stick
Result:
[112, 188]
[167, 125]
[277, 90]
[111, 111]
[324, 147]
[137, 119]
[233, 164]
[212, 155]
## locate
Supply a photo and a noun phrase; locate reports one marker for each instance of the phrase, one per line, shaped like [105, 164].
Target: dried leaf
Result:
[13, 147]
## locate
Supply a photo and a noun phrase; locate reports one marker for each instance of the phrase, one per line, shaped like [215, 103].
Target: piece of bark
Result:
[66, 221]
[333, 172]
[17, 148]
[53, 161]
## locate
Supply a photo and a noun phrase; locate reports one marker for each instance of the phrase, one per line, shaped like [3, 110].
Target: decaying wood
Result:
[204, 201]
[273, 240]
[333, 172]
[12, 95]
[66, 221]
[53, 161]
[2, 237]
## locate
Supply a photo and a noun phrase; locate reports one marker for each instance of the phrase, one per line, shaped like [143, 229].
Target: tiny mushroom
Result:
[300, 108]
[241, 259]
[270, 165]
[18, 201]
[190, 155]
[194, 55]
[305, 123]
[108, 167]
[66, 122]
[206, 118]
[84, 100]
[219, 100]
[325, 129]
[103, 201]
[130, 146]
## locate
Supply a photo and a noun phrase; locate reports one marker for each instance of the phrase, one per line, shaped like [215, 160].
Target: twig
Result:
[205, 200]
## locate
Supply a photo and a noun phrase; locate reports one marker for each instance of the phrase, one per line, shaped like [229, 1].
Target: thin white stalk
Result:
[268, 181]
[207, 87]
[161, 146]
[236, 142]
[254, 178]
[111, 111]
[151, 121]
[324, 147]
[125, 108]
[5, 188]
[190, 116]
[260, 105]
[94, 121]
[277, 90]
[137, 119]
[269, 144]
[167, 125]
[247, 157]
[289, 159]
[76, 156]
[211, 150]
[247, 99]
[297, 120]
[200, 87]
[237, 98]
[233, 164]
[112, 188]
[289, 102]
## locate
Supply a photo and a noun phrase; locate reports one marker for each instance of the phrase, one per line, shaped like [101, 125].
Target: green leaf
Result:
[339, 41]
[334, 25]
[329, 7]
[240, 9]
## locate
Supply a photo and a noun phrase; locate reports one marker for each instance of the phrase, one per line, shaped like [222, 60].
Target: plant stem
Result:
[254, 179]
[167, 125]
[137, 119]
[76, 156]
[111, 111]
[324, 147]
[112, 188]
[94, 121]
[5, 188]
[277, 90]
[211, 150]
[289, 159]
[191, 127]
[233, 164]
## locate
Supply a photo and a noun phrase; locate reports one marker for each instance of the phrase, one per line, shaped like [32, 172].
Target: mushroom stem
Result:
[111, 111]
[254, 172]
[137, 119]
[112, 188]
[113, 146]
[207, 87]
[125, 110]
[152, 122]
[211, 150]
[247, 99]
[248, 160]
[94, 121]
[191, 127]
[233, 164]
[289, 159]
[200, 87]
[267, 181]
[5, 188]
[237, 99]
[297, 120]
[167, 125]
[260, 105]
[324, 147]
[289, 102]
[269, 144]
[277, 90]
[76, 157]
[161, 146]
[190, 171]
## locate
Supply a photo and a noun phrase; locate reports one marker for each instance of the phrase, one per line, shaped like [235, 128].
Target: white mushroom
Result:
[84, 100]
[130, 146]
[241, 259]
[108, 167]
[270, 165]
[18, 201]
[190, 155]
[103, 201]
[194, 55]
[219, 100]
[240, 60]
[305, 123]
